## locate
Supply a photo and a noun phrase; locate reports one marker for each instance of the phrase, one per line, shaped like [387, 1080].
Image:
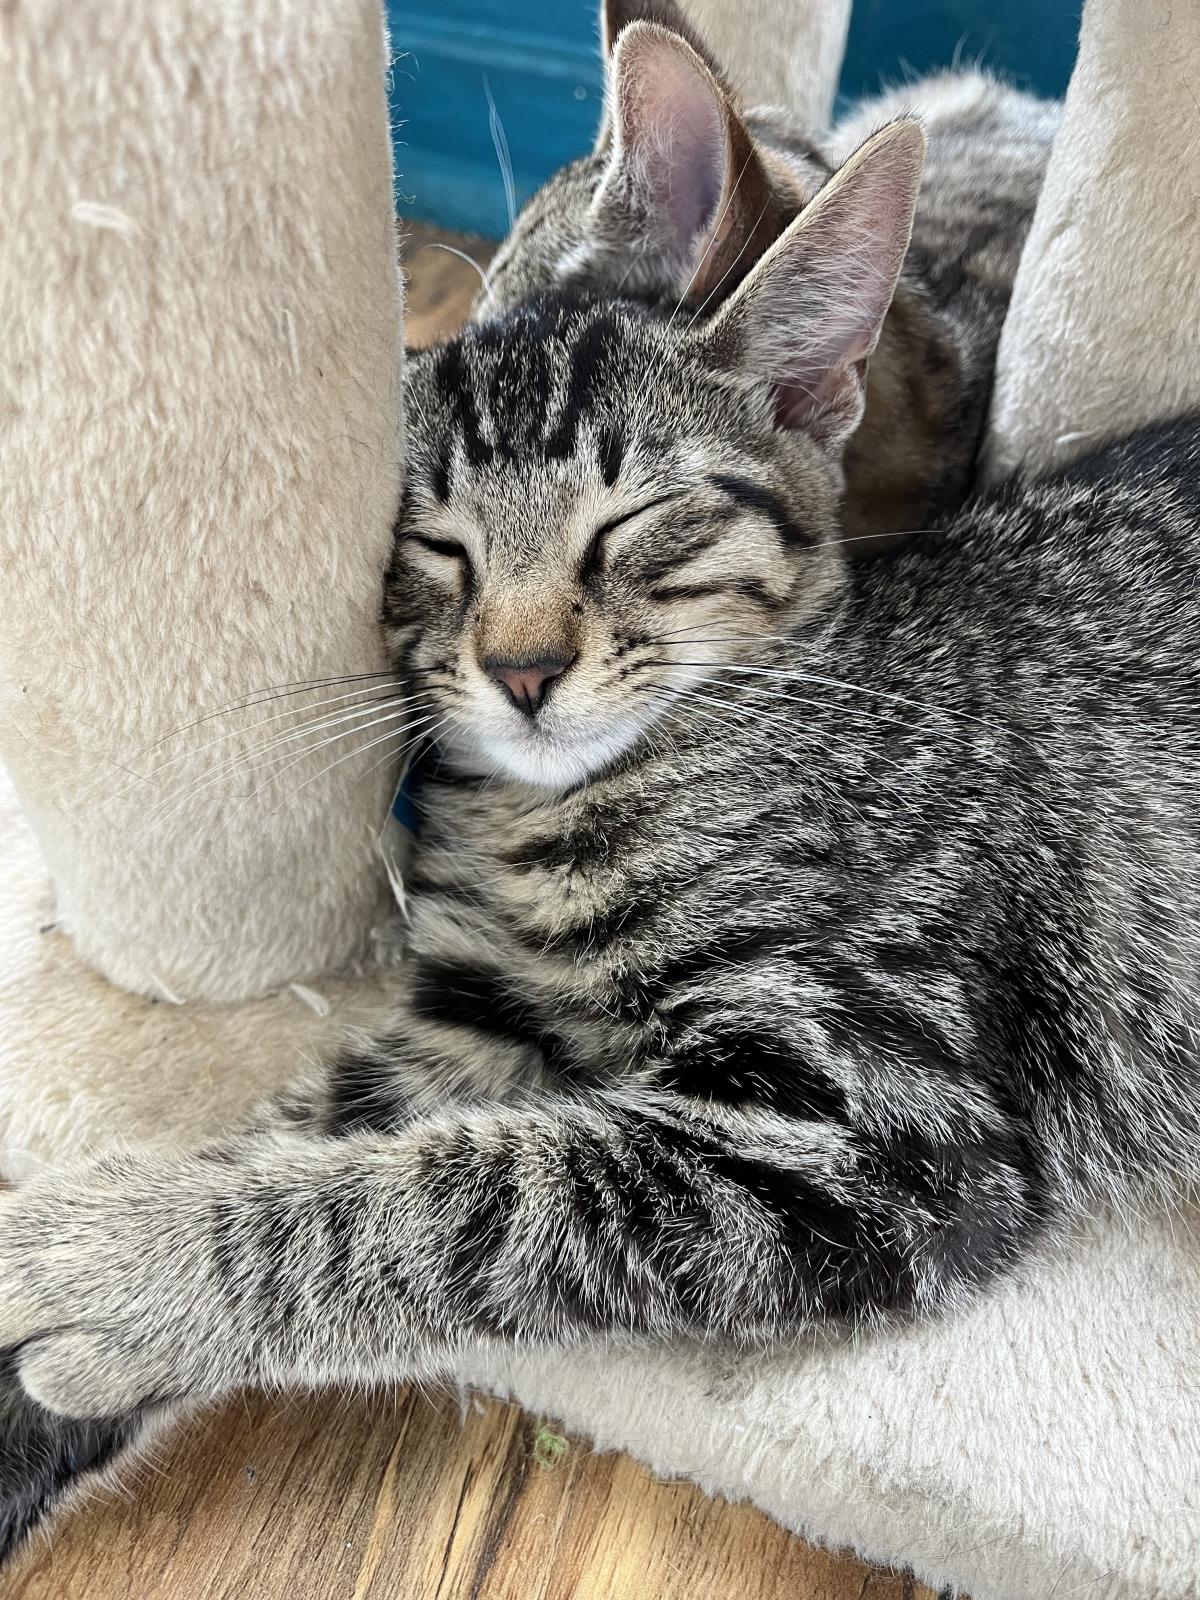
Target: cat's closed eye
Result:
[450, 548]
[594, 557]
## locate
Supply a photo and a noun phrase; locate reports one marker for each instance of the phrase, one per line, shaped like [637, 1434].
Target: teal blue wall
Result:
[539, 59]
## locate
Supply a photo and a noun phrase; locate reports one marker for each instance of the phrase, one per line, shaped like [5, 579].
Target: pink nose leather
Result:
[526, 682]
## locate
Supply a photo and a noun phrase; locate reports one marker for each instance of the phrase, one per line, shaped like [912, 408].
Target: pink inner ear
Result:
[825, 403]
[810, 313]
[673, 131]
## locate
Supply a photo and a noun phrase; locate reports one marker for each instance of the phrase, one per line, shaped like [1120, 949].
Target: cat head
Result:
[603, 501]
[678, 200]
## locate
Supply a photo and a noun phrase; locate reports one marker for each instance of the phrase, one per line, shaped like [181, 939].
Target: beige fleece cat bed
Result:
[201, 440]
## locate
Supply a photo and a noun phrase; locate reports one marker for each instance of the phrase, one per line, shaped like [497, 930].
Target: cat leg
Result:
[294, 1260]
[47, 1460]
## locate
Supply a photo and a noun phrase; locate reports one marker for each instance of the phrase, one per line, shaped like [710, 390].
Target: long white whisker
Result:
[879, 694]
[256, 758]
[391, 733]
[364, 727]
[796, 758]
[278, 691]
[851, 712]
[234, 733]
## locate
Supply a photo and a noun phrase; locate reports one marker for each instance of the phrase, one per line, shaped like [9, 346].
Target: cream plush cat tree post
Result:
[779, 52]
[1043, 1442]
[201, 447]
[1104, 329]
[201, 441]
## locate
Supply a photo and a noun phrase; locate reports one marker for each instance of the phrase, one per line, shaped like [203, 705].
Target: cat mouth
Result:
[558, 751]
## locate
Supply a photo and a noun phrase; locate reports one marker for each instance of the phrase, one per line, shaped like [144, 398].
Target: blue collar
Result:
[405, 808]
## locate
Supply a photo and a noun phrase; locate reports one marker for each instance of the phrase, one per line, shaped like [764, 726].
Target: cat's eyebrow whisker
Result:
[897, 537]
[410, 399]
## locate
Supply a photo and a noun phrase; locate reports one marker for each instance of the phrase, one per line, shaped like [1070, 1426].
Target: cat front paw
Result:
[84, 1375]
[103, 1303]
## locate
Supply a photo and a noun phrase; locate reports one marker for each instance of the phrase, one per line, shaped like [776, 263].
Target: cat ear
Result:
[684, 184]
[616, 15]
[809, 315]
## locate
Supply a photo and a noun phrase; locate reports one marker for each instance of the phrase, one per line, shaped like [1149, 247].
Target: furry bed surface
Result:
[1044, 1442]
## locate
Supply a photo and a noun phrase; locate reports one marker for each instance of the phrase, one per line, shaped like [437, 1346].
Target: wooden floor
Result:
[410, 1500]
[407, 1498]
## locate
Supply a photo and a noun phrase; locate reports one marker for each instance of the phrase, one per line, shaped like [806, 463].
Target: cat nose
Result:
[526, 681]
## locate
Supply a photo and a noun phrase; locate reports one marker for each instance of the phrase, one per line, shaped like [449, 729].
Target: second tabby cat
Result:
[686, 189]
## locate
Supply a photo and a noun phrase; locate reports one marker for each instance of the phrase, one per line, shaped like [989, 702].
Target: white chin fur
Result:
[555, 758]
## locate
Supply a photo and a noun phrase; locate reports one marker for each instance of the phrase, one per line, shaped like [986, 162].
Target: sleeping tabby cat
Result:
[790, 942]
[686, 190]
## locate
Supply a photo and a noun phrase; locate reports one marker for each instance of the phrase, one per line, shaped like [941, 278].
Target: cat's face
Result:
[595, 509]
[602, 502]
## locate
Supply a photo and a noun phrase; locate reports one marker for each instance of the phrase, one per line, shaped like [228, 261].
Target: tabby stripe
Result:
[612, 453]
[637, 511]
[753, 497]
[654, 570]
[587, 370]
[455, 389]
[750, 588]
[440, 476]
[458, 997]
[362, 1095]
